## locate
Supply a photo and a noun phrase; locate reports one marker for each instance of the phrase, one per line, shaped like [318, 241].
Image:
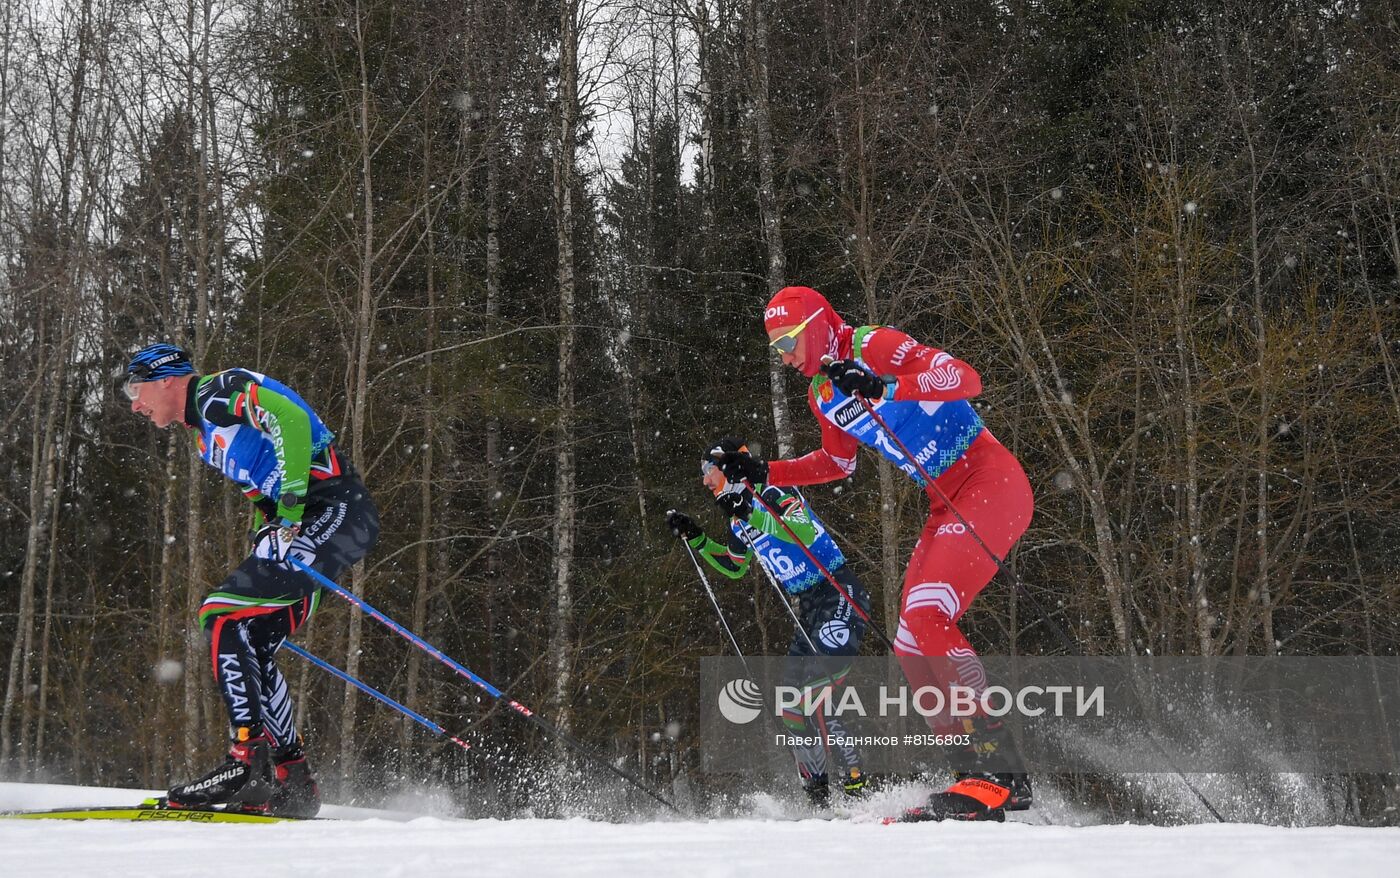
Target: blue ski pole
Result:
[486, 687]
[371, 691]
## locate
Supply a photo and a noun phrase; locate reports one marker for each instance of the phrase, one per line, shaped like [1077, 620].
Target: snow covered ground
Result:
[384, 844]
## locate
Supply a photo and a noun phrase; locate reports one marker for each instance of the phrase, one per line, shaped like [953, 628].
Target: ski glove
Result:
[740, 465]
[682, 526]
[735, 503]
[851, 378]
[276, 543]
[267, 508]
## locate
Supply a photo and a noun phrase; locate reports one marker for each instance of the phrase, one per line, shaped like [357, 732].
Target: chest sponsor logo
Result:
[847, 413]
[750, 533]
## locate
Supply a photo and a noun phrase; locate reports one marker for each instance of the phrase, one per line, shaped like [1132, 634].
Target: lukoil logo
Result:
[740, 701]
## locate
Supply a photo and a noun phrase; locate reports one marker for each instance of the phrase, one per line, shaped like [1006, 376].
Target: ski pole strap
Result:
[375, 693]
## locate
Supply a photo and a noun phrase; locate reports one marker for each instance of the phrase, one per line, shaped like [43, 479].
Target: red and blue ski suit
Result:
[929, 411]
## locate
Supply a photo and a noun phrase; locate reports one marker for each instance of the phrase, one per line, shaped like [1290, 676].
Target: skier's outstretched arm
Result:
[732, 560]
[836, 459]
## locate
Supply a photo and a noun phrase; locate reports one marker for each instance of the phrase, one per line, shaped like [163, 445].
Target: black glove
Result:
[740, 465]
[275, 543]
[851, 378]
[268, 507]
[737, 504]
[682, 526]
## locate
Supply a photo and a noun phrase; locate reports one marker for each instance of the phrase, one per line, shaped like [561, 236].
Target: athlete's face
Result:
[801, 345]
[714, 479]
[162, 400]
[797, 356]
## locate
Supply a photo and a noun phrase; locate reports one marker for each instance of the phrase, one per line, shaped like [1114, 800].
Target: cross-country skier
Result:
[308, 503]
[827, 620]
[923, 395]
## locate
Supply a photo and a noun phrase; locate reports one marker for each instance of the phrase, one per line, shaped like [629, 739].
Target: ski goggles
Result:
[787, 342]
[132, 388]
[137, 375]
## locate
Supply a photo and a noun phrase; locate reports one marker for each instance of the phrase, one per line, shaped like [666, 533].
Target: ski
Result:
[928, 815]
[151, 810]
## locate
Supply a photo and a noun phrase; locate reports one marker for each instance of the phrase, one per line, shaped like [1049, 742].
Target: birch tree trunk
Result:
[426, 513]
[35, 757]
[363, 335]
[197, 40]
[769, 207]
[38, 496]
[561, 634]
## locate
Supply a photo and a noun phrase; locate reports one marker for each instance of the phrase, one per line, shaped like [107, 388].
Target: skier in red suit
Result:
[922, 394]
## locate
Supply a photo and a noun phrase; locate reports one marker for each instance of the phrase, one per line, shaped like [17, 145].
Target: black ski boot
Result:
[983, 794]
[296, 793]
[818, 793]
[243, 782]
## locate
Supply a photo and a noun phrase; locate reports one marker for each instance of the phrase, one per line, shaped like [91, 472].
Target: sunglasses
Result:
[787, 342]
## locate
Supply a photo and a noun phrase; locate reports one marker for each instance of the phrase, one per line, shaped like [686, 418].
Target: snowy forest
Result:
[516, 252]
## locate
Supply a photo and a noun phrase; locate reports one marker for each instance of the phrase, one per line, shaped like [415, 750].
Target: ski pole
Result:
[748, 672]
[830, 577]
[375, 693]
[1019, 585]
[714, 602]
[544, 726]
[782, 593]
[938, 494]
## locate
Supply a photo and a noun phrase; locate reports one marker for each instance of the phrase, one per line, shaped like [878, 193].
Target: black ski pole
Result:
[782, 594]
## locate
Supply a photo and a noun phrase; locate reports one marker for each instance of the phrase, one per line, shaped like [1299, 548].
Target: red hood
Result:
[828, 335]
